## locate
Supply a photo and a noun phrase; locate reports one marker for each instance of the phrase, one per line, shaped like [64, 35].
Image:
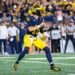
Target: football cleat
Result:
[55, 68]
[16, 66]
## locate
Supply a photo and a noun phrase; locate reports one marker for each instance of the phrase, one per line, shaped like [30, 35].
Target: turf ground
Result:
[38, 65]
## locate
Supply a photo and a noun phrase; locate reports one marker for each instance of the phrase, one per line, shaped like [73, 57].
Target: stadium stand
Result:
[56, 14]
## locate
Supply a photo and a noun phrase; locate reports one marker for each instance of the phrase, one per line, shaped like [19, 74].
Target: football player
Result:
[33, 27]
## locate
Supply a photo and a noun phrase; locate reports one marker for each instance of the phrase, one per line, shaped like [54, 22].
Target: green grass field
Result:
[38, 65]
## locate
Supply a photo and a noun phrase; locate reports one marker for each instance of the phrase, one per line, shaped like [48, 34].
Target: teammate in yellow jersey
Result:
[33, 27]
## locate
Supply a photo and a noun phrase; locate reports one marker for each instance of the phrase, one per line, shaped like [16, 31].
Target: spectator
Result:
[4, 18]
[6, 6]
[49, 10]
[13, 32]
[21, 35]
[14, 5]
[73, 17]
[24, 11]
[70, 29]
[55, 39]
[3, 36]
[1, 6]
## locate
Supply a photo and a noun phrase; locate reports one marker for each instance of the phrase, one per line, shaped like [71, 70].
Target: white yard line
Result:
[40, 62]
[53, 58]
[41, 58]
[40, 71]
[6, 57]
[30, 60]
[5, 62]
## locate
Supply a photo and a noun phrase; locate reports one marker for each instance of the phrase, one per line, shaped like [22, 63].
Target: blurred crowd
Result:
[15, 14]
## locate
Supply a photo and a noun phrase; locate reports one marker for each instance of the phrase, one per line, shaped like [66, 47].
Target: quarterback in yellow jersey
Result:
[33, 27]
